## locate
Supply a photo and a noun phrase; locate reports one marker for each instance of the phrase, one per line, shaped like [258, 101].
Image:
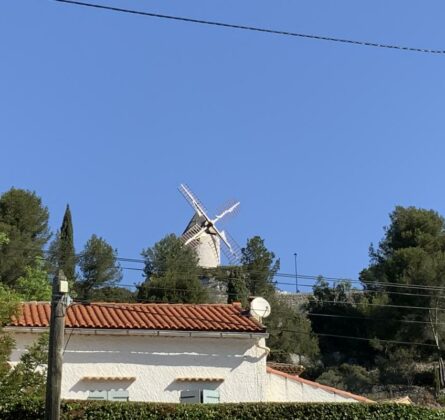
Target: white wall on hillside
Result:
[152, 365]
[281, 389]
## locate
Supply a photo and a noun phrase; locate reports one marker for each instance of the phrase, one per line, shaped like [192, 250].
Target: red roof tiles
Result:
[289, 368]
[179, 317]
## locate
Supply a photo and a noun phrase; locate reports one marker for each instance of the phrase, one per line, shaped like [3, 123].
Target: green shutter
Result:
[210, 396]
[97, 395]
[118, 395]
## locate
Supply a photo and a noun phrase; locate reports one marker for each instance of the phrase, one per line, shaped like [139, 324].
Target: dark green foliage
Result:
[352, 378]
[236, 286]
[289, 330]
[62, 253]
[412, 228]
[172, 273]
[93, 410]
[259, 265]
[24, 221]
[412, 252]
[98, 266]
[397, 366]
[3, 239]
[24, 378]
[341, 310]
[290, 333]
[9, 306]
[7, 344]
[113, 294]
[67, 256]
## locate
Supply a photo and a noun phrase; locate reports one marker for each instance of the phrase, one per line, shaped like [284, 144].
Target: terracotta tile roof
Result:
[289, 368]
[178, 317]
[326, 388]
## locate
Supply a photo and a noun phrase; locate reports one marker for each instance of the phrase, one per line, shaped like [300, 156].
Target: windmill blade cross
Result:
[225, 212]
[202, 231]
[230, 248]
[193, 201]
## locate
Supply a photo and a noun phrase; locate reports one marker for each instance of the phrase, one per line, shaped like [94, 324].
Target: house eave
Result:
[144, 332]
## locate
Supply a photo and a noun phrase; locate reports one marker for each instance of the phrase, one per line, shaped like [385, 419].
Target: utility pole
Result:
[296, 273]
[55, 351]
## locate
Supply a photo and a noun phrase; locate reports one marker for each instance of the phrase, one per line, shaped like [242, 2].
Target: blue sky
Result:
[319, 141]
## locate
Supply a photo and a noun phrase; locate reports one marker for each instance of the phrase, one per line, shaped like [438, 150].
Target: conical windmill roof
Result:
[195, 220]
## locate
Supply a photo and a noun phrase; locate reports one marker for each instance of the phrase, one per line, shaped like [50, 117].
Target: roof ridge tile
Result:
[150, 316]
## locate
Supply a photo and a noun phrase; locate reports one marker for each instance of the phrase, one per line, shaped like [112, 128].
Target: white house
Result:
[166, 353]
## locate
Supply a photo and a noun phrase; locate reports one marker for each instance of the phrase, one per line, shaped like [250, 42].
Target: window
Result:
[204, 396]
[111, 395]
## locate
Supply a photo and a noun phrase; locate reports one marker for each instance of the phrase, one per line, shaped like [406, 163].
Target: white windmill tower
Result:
[202, 234]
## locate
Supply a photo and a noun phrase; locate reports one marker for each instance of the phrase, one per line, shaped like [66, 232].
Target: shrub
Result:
[89, 410]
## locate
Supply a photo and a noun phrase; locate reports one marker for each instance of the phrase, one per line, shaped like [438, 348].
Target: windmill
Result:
[202, 234]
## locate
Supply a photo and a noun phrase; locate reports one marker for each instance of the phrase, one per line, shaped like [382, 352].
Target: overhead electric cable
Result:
[385, 305]
[420, 287]
[367, 318]
[252, 28]
[231, 323]
[348, 337]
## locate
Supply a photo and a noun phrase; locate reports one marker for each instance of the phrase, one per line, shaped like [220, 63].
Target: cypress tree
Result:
[236, 287]
[66, 247]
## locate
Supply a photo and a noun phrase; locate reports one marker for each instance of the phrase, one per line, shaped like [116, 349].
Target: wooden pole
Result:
[55, 352]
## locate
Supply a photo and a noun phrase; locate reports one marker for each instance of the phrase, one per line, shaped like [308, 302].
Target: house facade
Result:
[165, 353]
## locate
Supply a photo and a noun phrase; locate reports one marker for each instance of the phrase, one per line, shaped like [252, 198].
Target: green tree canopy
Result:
[343, 311]
[412, 252]
[98, 266]
[24, 220]
[34, 284]
[113, 294]
[9, 306]
[28, 377]
[172, 273]
[290, 334]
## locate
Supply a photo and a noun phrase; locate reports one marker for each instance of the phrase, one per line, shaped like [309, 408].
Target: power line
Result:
[194, 318]
[319, 302]
[348, 337]
[419, 287]
[275, 283]
[278, 274]
[253, 28]
[367, 318]
[385, 305]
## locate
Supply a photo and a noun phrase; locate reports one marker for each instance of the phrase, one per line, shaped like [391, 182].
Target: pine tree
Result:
[99, 267]
[260, 267]
[172, 273]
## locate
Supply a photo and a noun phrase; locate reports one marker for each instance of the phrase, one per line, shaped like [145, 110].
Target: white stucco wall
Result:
[156, 363]
[282, 389]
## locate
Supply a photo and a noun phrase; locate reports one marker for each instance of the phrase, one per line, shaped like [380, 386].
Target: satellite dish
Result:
[260, 307]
